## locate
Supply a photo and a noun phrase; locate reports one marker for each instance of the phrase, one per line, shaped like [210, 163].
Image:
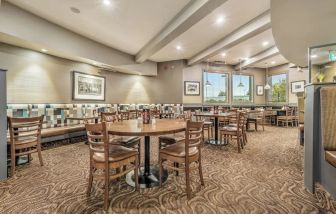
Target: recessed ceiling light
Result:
[107, 2]
[178, 47]
[44, 50]
[74, 10]
[223, 54]
[273, 62]
[313, 56]
[265, 43]
[220, 20]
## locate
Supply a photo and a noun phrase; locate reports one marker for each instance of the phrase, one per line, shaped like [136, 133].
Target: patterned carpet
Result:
[266, 178]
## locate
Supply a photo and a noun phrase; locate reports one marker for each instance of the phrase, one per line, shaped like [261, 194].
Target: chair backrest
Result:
[98, 139]
[20, 128]
[134, 114]
[328, 118]
[109, 117]
[124, 115]
[187, 115]
[193, 135]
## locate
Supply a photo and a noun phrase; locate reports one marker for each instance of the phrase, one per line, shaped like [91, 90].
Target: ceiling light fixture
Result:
[44, 50]
[178, 47]
[265, 43]
[313, 56]
[273, 62]
[220, 20]
[223, 54]
[267, 86]
[107, 2]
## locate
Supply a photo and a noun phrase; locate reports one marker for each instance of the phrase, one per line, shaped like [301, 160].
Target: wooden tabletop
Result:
[209, 114]
[82, 118]
[132, 128]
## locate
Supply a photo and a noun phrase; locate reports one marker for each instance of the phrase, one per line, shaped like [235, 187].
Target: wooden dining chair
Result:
[25, 138]
[207, 126]
[105, 157]
[127, 141]
[286, 119]
[235, 131]
[186, 154]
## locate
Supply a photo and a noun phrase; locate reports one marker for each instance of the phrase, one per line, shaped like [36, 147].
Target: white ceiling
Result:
[246, 49]
[271, 62]
[207, 31]
[128, 25]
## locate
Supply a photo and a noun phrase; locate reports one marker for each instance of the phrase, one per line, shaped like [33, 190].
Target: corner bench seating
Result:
[328, 124]
[60, 133]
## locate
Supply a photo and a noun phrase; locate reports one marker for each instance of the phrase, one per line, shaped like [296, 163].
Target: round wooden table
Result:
[216, 116]
[149, 175]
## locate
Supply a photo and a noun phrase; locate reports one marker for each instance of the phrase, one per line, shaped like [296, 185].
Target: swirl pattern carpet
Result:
[267, 177]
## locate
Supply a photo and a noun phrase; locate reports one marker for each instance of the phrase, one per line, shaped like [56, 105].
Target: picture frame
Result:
[297, 86]
[260, 90]
[88, 87]
[192, 88]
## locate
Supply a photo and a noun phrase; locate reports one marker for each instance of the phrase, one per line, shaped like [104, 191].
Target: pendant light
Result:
[240, 85]
[267, 86]
[207, 83]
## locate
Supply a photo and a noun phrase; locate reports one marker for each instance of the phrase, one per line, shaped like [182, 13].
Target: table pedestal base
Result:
[147, 181]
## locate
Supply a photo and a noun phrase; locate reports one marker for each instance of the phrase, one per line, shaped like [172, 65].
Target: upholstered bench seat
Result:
[330, 157]
[58, 133]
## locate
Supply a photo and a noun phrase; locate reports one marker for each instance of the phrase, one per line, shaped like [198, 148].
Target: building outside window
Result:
[242, 88]
[278, 91]
[215, 87]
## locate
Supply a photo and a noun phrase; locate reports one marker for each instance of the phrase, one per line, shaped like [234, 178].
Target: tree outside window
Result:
[278, 91]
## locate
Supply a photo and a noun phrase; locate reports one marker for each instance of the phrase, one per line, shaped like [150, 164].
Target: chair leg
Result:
[136, 172]
[88, 192]
[160, 172]
[39, 153]
[13, 160]
[187, 180]
[238, 144]
[177, 165]
[209, 133]
[107, 189]
[200, 170]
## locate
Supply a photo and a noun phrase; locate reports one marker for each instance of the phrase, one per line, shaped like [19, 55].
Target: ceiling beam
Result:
[252, 28]
[262, 56]
[191, 14]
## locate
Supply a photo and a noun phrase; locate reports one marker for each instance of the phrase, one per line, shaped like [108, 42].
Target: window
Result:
[278, 91]
[215, 87]
[242, 88]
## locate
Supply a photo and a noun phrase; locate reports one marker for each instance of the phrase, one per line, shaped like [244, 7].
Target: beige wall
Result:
[34, 77]
[194, 73]
[293, 75]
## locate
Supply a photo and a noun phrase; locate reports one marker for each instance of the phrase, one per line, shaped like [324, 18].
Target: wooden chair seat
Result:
[116, 153]
[330, 157]
[178, 150]
[229, 128]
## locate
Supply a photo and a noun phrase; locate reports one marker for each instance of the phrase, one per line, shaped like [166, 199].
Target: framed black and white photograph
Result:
[260, 90]
[88, 87]
[297, 86]
[191, 88]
